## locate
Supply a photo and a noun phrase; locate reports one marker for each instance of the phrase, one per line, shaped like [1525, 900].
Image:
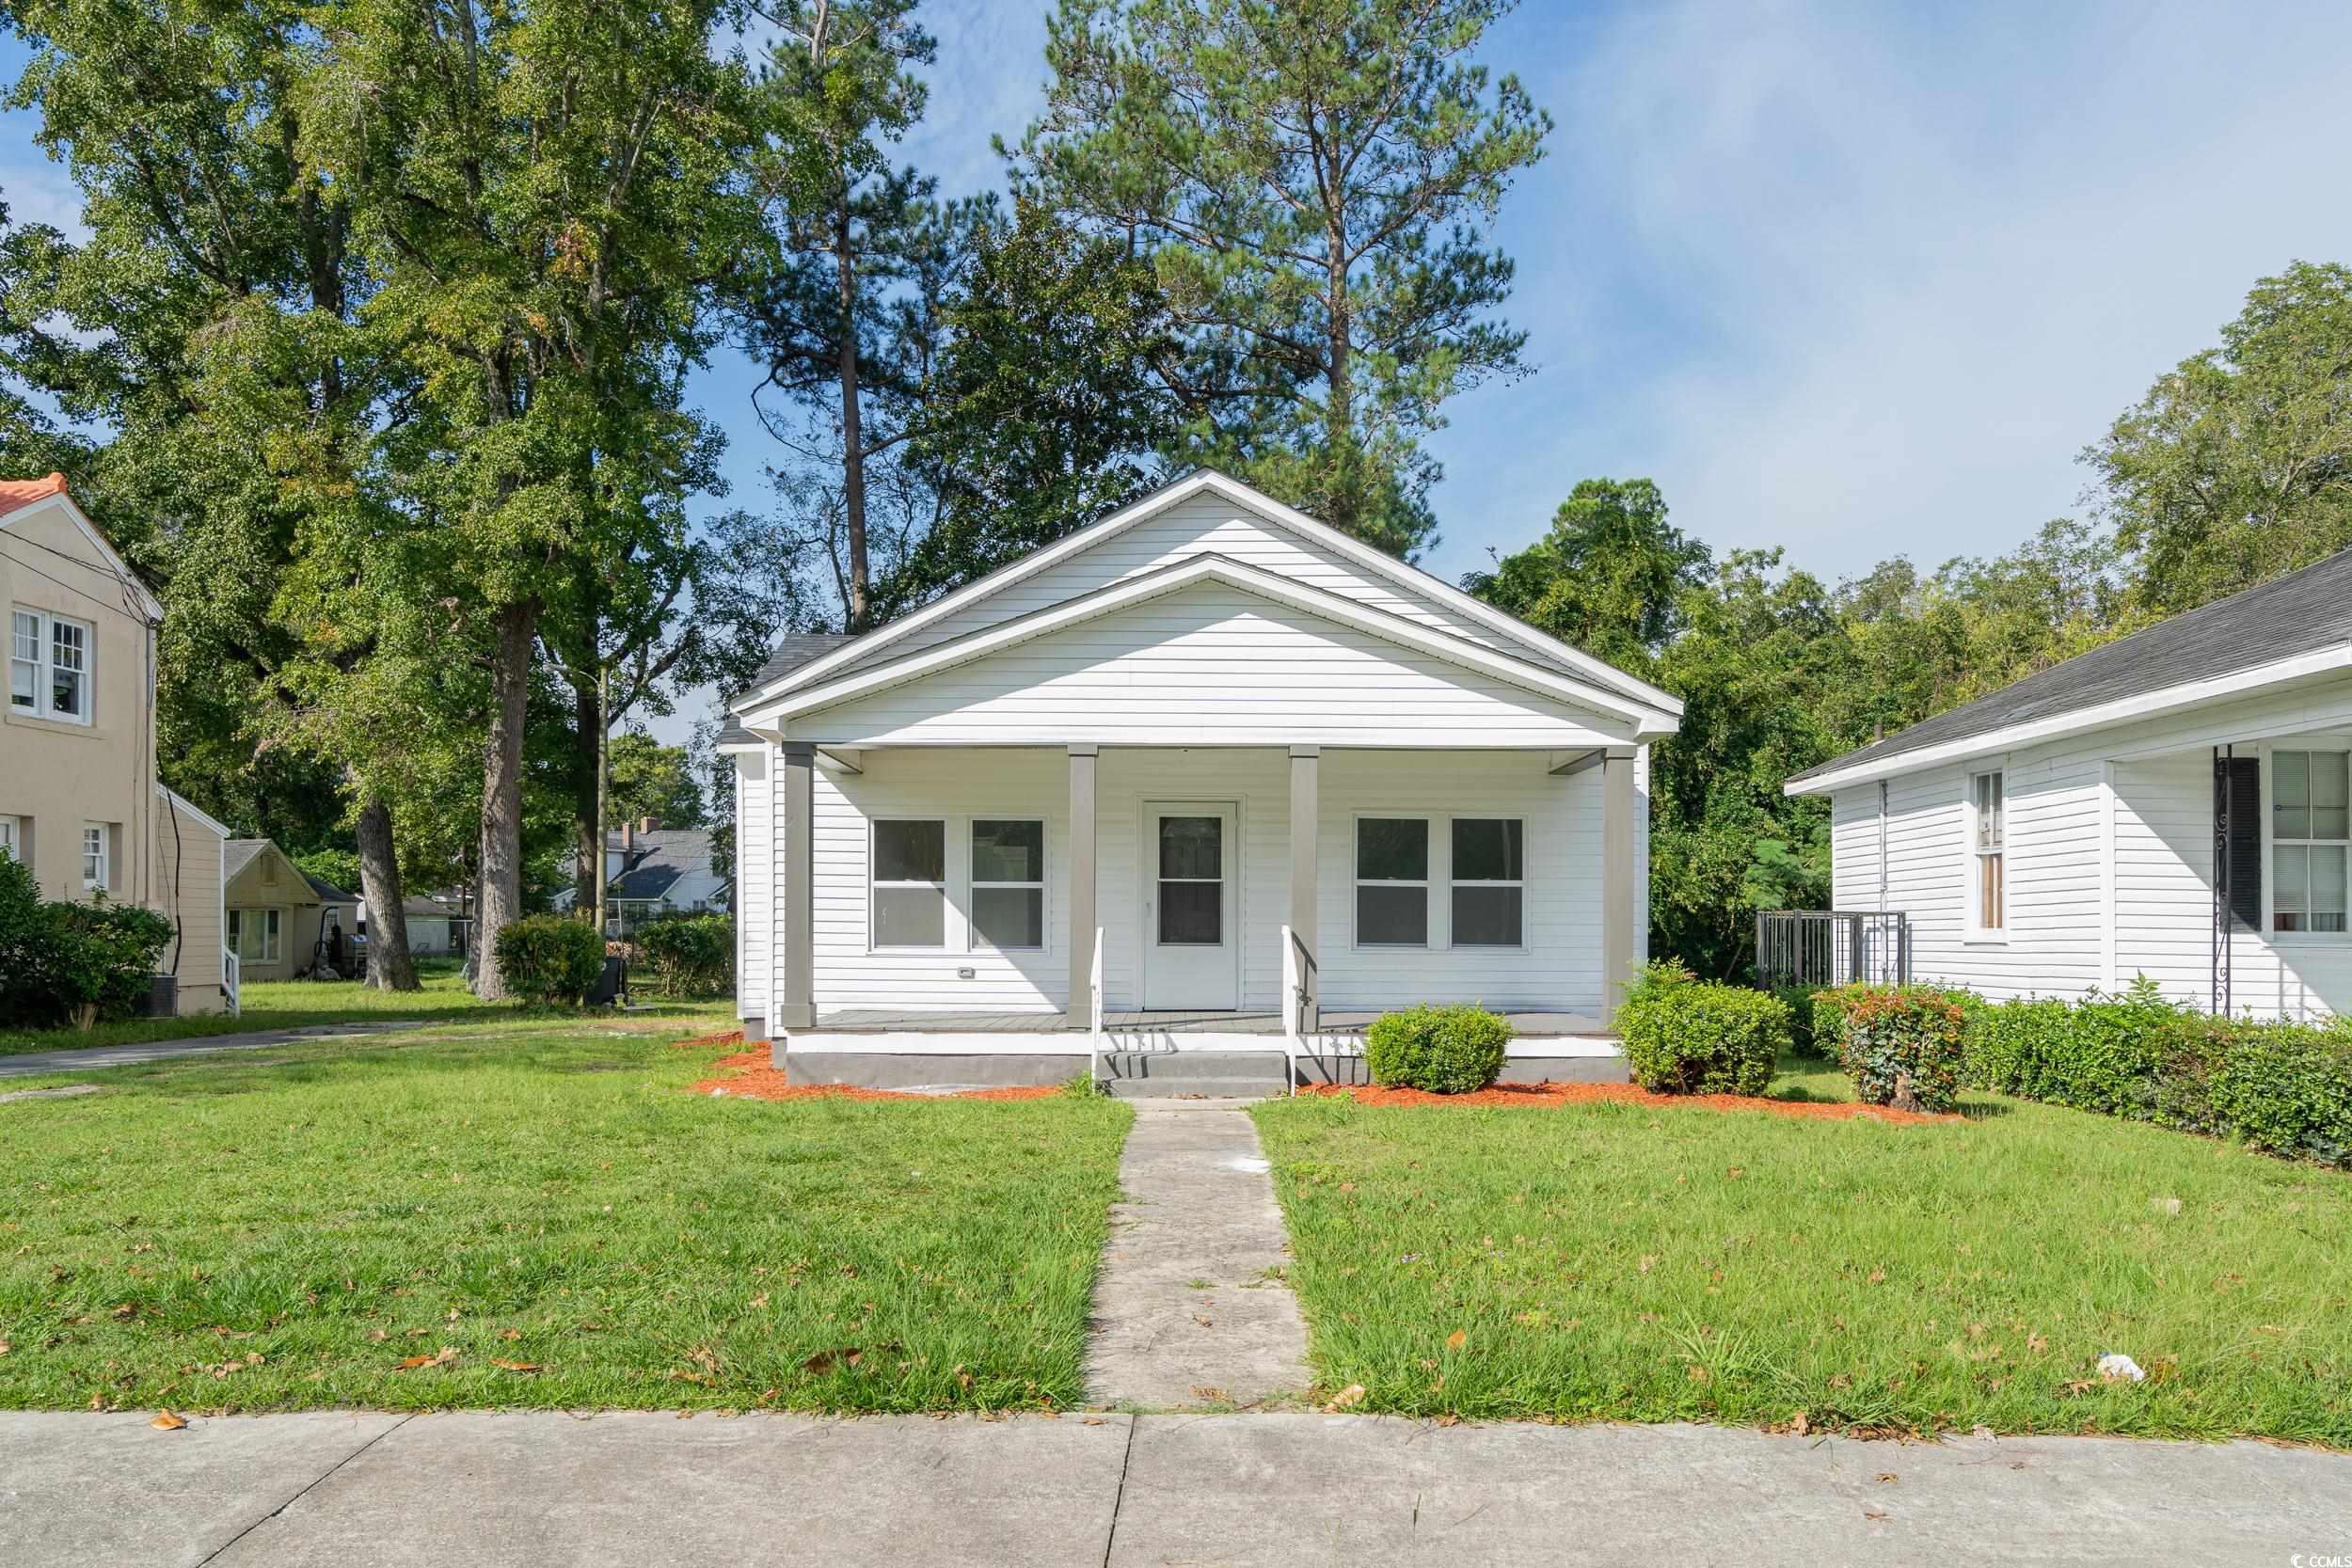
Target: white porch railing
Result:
[1094, 1020]
[231, 981]
[1293, 1006]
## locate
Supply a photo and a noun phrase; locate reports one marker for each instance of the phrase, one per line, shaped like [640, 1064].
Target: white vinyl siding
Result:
[756, 882]
[1209, 664]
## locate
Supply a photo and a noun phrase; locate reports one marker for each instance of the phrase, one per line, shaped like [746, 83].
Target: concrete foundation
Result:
[880, 1070]
[1174, 1072]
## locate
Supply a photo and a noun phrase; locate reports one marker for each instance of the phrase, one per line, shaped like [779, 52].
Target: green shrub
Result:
[2286, 1090]
[1682, 1037]
[1902, 1045]
[63, 962]
[1441, 1049]
[550, 959]
[690, 954]
[2105, 1053]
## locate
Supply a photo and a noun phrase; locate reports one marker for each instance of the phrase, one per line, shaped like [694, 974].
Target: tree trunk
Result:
[501, 901]
[587, 766]
[852, 436]
[1339, 411]
[389, 966]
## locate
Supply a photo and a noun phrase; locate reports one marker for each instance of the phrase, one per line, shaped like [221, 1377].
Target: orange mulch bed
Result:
[1628, 1094]
[753, 1075]
[724, 1036]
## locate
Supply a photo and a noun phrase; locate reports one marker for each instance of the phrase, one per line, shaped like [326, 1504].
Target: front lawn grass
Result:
[277, 1005]
[1607, 1261]
[219, 1234]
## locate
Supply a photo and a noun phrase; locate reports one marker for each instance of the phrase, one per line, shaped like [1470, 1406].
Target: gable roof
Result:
[1525, 643]
[328, 893]
[2304, 613]
[238, 855]
[21, 495]
[659, 859]
[1176, 576]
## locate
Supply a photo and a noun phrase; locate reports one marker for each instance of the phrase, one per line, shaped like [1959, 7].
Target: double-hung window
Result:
[1393, 882]
[909, 882]
[97, 858]
[49, 666]
[2311, 833]
[1989, 828]
[1007, 882]
[253, 935]
[12, 837]
[1489, 881]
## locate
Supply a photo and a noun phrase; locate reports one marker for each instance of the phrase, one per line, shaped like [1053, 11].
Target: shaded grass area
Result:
[1614, 1263]
[218, 1234]
[277, 1005]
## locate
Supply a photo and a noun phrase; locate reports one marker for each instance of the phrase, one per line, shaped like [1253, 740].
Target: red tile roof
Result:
[16, 493]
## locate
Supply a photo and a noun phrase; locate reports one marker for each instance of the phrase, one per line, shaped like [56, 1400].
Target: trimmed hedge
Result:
[64, 962]
[1684, 1036]
[550, 959]
[2285, 1088]
[1440, 1050]
[690, 954]
[1903, 1046]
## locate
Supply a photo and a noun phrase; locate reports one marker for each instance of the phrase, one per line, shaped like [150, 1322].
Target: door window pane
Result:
[1392, 915]
[1192, 914]
[911, 852]
[1391, 849]
[1192, 848]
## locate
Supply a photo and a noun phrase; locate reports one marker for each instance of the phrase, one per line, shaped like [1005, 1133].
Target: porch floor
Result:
[881, 1020]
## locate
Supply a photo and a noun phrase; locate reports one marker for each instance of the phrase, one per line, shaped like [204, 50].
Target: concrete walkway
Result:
[484, 1490]
[91, 1058]
[1190, 1310]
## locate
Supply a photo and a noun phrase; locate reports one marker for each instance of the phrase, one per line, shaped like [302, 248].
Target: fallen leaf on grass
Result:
[376, 1335]
[1351, 1395]
[826, 1360]
[1800, 1423]
[410, 1363]
[166, 1421]
[1456, 1340]
[516, 1366]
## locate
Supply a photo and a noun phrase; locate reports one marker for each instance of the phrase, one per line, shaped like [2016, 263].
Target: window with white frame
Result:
[1489, 885]
[253, 935]
[1989, 829]
[12, 837]
[97, 856]
[1007, 882]
[1393, 882]
[2311, 836]
[909, 882]
[49, 666]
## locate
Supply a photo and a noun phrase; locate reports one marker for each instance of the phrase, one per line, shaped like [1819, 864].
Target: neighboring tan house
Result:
[652, 871]
[2176, 804]
[80, 802]
[278, 912]
[1187, 798]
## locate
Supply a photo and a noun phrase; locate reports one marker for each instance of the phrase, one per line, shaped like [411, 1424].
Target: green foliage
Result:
[648, 779]
[550, 959]
[1683, 1035]
[1610, 577]
[64, 962]
[338, 866]
[1902, 1045]
[691, 954]
[1312, 181]
[2284, 1087]
[1455, 1049]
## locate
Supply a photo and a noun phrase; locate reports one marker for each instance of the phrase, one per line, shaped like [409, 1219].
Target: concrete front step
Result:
[1176, 1068]
[1192, 1088]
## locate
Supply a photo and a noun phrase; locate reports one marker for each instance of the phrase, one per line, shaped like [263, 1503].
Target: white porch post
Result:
[1306, 825]
[1083, 924]
[1618, 934]
[796, 1004]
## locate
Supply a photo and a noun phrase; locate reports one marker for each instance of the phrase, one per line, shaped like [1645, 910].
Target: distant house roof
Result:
[657, 859]
[237, 854]
[15, 493]
[2305, 612]
[327, 892]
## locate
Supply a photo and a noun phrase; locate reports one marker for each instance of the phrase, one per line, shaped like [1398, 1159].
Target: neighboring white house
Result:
[1208, 772]
[2173, 804]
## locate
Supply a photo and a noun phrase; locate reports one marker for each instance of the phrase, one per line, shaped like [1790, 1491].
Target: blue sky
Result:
[1855, 280]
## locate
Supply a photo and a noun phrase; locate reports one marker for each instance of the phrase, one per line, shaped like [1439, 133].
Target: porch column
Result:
[796, 1005]
[1305, 826]
[1617, 903]
[1083, 926]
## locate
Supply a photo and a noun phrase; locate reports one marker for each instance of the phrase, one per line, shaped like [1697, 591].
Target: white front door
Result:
[1191, 948]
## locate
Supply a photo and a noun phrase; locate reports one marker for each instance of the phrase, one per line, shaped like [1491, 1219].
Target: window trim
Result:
[2270, 842]
[1452, 883]
[45, 666]
[1973, 928]
[1428, 883]
[273, 934]
[946, 885]
[12, 839]
[98, 844]
[973, 940]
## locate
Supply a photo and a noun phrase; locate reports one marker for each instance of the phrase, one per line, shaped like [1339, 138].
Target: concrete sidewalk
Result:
[92, 1058]
[486, 1490]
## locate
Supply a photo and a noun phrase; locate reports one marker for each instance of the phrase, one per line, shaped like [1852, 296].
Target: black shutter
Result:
[2238, 788]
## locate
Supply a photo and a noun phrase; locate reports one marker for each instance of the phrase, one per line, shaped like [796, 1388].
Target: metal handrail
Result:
[1094, 1035]
[1296, 960]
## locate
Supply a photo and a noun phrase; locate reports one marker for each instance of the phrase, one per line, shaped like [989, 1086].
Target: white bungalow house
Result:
[2174, 804]
[1193, 794]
